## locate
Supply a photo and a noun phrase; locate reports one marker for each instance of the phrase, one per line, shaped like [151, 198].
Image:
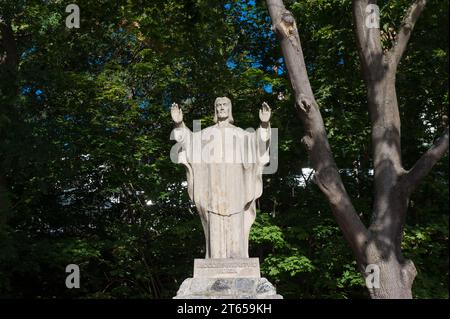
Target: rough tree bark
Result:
[379, 244]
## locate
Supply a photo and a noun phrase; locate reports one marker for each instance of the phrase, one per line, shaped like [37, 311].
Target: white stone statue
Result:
[224, 166]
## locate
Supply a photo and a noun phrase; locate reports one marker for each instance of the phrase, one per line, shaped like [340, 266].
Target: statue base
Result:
[237, 278]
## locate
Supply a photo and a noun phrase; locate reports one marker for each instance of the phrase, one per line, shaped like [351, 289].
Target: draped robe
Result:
[224, 166]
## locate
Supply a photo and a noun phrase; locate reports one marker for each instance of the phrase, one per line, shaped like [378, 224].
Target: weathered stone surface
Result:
[227, 288]
[185, 287]
[224, 166]
[264, 287]
[245, 285]
[222, 285]
[198, 286]
[226, 268]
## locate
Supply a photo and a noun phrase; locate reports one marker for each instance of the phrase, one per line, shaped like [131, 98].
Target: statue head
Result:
[223, 109]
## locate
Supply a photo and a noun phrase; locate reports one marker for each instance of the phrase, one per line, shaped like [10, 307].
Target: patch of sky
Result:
[268, 88]
[231, 64]
[305, 177]
[100, 60]
[246, 11]
[341, 59]
[27, 52]
[26, 89]
[280, 70]
[249, 18]
[144, 104]
[255, 64]
[279, 67]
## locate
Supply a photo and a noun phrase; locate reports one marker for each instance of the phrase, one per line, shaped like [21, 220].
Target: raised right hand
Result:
[177, 114]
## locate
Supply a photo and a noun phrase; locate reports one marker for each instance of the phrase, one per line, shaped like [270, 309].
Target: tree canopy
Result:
[85, 173]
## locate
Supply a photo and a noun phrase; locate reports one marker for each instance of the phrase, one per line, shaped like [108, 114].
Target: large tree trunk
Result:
[393, 183]
[379, 246]
[316, 141]
[396, 273]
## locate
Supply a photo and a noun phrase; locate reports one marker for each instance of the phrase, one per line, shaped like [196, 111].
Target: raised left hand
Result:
[264, 113]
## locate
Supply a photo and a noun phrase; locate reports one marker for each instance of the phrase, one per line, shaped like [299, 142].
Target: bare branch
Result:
[426, 162]
[405, 30]
[284, 25]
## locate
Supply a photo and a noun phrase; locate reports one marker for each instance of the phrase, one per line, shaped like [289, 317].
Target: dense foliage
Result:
[84, 143]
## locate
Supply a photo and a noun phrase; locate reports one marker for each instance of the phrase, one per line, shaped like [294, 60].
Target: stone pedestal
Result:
[227, 279]
[226, 268]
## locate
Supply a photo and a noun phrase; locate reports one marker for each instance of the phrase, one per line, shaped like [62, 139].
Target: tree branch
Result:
[382, 103]
[326, 173]
[405, 30]
[425, 163]
[368, 38]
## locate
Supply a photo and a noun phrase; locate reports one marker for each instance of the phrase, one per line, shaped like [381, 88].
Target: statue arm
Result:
[264, 116]
[264, 132]
[181, 131]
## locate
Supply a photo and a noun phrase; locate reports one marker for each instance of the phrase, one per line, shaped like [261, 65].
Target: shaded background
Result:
[85, 174]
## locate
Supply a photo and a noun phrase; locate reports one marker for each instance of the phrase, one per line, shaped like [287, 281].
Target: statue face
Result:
[223, 108]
